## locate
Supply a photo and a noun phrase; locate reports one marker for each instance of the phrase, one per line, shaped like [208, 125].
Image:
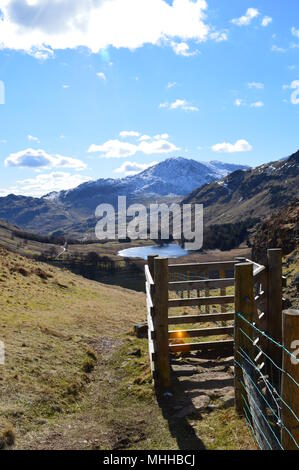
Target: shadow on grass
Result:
[180, 427]
[178, 408]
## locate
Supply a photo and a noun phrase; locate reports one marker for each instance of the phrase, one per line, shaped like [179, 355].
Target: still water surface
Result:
[169, 251]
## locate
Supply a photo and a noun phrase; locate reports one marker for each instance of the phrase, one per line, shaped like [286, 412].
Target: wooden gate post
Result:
[290, 392]
[274, 320]
[151, 265]
[161, 323]
[244, 305]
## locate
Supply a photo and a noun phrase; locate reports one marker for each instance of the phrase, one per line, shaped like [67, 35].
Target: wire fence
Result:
[261, 382]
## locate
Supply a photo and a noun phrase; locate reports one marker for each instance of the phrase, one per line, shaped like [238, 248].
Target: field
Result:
[76, 377]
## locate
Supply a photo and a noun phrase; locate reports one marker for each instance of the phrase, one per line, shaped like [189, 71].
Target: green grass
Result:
[74, 377]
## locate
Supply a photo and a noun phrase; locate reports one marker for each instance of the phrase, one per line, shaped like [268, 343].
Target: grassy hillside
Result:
[75, 377]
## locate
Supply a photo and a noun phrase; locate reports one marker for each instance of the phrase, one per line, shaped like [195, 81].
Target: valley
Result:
[76, 376]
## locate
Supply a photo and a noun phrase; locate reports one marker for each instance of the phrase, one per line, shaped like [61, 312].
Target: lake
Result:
[169, 251]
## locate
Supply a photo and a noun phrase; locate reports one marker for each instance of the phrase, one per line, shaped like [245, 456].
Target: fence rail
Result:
[245, 320]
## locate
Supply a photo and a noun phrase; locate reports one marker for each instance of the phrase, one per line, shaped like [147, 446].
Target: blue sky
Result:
[104, 88]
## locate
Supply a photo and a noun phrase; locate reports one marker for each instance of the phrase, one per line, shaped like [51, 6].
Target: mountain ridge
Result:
[65, 209]
[254, 193]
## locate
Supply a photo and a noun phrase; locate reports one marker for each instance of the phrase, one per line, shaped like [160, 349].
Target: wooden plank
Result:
[186, 319]
[289, 392]
[151, 265]
[275, 305]
[148, 275]
[201, 333]
[244, 333]
[149, 297]
[150, 323]
[207, 292]
[161, 323]
[199, 267]
[151, 351]
[258, 269]
[205, 346]
[222, 290]
[218, 300]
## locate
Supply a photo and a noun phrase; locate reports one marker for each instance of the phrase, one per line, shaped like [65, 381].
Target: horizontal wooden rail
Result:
[217, 346]
[204, 284]
[186, 319]
[199, 267]
[201, 333]
[193, 302]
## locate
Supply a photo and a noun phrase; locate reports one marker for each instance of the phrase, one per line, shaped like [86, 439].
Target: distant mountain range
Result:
[174, 176]
[229, 193]
[73, 210]
[254, 193]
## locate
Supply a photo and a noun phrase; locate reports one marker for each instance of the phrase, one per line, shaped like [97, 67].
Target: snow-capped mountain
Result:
[174, 176]
[59, 211]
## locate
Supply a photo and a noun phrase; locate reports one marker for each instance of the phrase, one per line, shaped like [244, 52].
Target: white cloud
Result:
[279, 49]
[132, 168]
[31, 138]
[257, 104]
[219, 36]
[145, 137]
[65, 87]
[40, 27]
[161, 136]
[226, 147]
[102, 76]
[129, 134]
[120, 149]
[32, 158]
[114, 149]
[239, 102]
[295, 32]
[245, 20]
[256, 85]
[182, 48]
[266, 21]
[171, 85]
[45, 183]
[40, 53]
[179, 104]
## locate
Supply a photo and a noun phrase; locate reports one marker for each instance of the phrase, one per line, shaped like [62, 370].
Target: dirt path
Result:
[199, 415]
[201, 412]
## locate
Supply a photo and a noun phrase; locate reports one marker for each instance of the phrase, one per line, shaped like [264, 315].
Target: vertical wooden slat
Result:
[207, 292]
[223, 290]
[289, 390]
[275, 303]
[162, 365]
[244, 304]
[151, 265]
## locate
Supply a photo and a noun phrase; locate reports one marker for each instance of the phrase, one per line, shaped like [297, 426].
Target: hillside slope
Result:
[254, 193]
[281, 230]
[76, 378]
